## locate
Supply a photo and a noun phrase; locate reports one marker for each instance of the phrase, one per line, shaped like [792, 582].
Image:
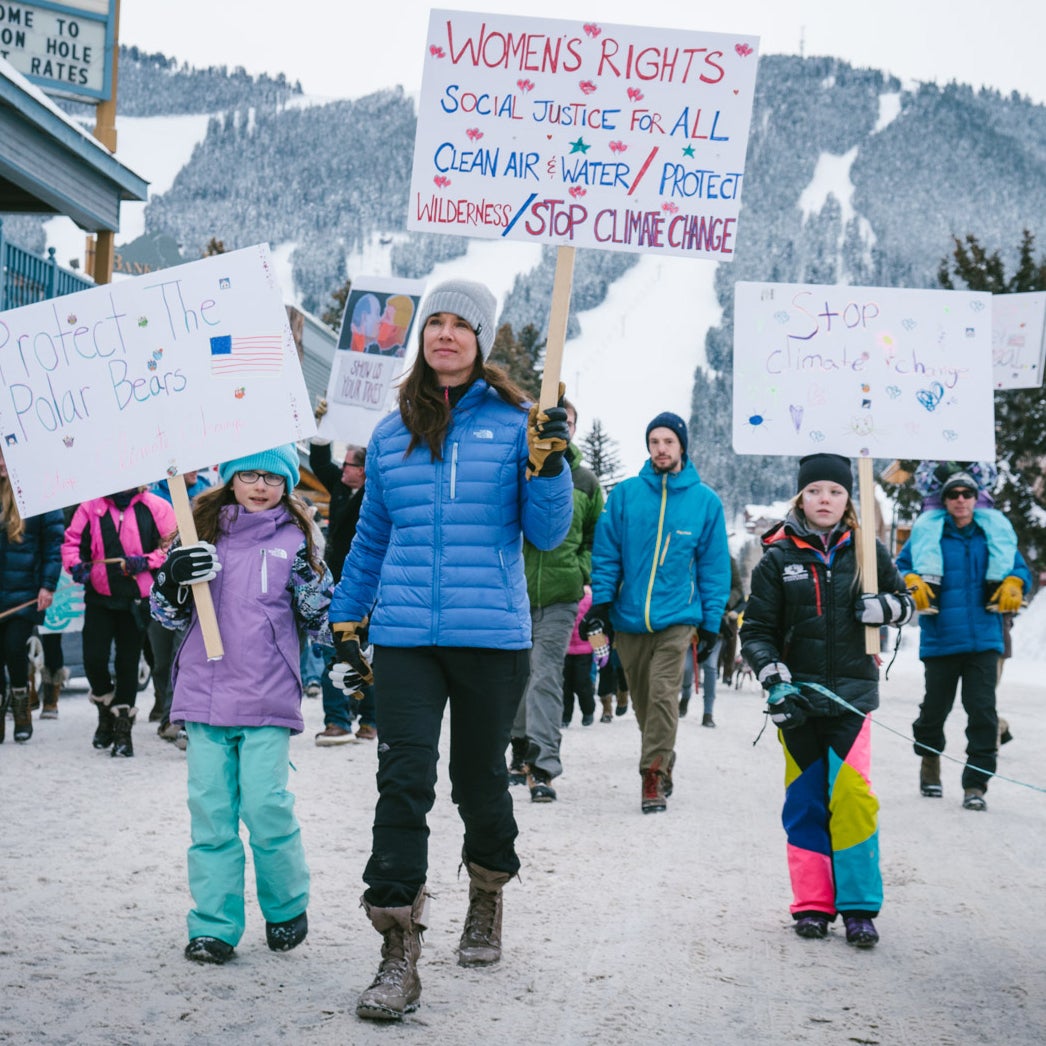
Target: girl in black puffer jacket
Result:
[805, 624]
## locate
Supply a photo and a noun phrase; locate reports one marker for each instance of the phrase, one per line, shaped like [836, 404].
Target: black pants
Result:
[977, 673]
[104, 626]
[14, 635]
[577, 679]
[412, 686]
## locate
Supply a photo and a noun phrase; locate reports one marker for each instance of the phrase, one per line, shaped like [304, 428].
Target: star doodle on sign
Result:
[579, 146]
[689, 152]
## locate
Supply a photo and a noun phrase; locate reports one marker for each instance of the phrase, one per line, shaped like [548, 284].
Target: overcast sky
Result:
[338, 49]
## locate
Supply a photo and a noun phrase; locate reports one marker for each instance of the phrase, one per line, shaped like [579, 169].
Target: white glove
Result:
[882, 609]
[345, 678]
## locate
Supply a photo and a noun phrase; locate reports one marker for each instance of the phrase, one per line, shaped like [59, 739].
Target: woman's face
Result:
[450, 347]
[257, 495]
[824, 503]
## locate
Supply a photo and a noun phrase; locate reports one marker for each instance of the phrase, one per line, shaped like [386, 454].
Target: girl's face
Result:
[450, 347]
[255, 494]
[824, 503]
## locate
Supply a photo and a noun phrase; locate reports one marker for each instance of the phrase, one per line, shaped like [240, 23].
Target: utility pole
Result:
[105, 132]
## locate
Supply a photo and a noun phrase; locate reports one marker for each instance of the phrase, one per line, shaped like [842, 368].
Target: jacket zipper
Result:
[453, 471]
[265, 571]
[657, 546]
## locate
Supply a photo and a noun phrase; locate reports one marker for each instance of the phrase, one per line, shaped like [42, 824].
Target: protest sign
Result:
[126, 383]
[582, 134]
[372, 352]
[862, 371]
[1018, 339]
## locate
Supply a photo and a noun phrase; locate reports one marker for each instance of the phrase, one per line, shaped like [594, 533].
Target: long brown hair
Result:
[9, 513]
[207, 509]
[425, 409]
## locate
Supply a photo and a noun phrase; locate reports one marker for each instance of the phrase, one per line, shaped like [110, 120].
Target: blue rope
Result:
[850, 708]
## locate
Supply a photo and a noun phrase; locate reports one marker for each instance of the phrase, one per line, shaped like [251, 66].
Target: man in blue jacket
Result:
[660, 570]
[963, 640]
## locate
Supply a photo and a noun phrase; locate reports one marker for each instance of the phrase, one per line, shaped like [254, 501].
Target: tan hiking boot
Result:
[930, 777]
[396, 989]
[480, 943]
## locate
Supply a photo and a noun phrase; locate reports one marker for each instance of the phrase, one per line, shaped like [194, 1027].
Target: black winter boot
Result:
[123, 720]
[103, 735]
[23, 717]
[517, 768]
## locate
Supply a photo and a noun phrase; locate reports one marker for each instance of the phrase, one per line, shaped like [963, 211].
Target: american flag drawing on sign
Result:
[246, 354]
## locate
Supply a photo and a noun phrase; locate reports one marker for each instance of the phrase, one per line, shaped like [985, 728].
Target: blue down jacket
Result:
[661, 554]
[438, 555]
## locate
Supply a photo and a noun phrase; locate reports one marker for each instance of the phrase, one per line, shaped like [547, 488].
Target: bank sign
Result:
[582, 134]
[64, 48]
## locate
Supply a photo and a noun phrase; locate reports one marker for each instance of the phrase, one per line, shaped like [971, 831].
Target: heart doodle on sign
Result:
[950, 435]
[592, 30]
[441, 181]
[436, 51]
[977, 305]
[474, 134]
[525, 85]
[932, 396]
[576, 191]
[672, 208]
[151, 364]
[781, 316]
[893, 391]
[587, 87]
[617, 147]
[817, 436]
[635, 94]
[157, 354]
[909, 325]
[743, 50]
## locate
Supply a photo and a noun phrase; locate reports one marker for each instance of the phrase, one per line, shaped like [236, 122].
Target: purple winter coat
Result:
[258, 681]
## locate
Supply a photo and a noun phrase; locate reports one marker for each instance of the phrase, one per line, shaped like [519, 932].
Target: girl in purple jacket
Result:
[267, 580]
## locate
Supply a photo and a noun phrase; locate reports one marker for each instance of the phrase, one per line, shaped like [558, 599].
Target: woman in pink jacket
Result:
[112, 547]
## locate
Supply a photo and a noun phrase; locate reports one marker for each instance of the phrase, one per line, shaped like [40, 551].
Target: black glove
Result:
[135, 565]
[872, 608]
[786, 706]
[705, 642]
[351, 647]
[80, 572]
[345, 678]
[597, 619]
[549, 427]
[187, 565]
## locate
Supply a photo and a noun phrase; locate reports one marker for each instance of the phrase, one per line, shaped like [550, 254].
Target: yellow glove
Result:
[922, 593]
[352, 648]
[547, 439]
[1008, 597]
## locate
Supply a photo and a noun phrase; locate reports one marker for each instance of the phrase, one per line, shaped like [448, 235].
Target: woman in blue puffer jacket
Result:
[455, 481]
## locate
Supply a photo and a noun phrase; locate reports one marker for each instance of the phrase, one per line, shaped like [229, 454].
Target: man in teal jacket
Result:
[660, 570]
[555, 584]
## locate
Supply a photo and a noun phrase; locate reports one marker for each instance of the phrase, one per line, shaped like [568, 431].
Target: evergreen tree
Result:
[334, 311]
[1020, 414]
[601, 453]
[519, 357]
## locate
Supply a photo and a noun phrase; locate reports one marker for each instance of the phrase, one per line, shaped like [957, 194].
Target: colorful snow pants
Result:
[831, 816]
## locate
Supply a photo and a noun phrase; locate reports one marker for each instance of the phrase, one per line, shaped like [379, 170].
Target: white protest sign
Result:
[862, 371]
[582, 134]
[372, 352]
[126, 383]
[1018, 339]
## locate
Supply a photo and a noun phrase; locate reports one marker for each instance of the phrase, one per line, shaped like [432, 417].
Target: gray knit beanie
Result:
[472, 301]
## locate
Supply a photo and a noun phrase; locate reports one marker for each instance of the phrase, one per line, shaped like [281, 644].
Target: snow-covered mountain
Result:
[851, 177]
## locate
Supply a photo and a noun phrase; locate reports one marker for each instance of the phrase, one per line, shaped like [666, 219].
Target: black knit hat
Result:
[667, 420]
[830, 468]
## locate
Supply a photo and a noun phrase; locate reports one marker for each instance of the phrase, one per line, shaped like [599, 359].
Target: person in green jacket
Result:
[555, 584]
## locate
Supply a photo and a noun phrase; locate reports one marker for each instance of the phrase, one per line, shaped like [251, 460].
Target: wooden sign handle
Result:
[866, 556]
[201, 591]
[557, 327]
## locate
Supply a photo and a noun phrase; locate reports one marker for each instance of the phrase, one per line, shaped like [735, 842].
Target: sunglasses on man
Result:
[953, 494]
